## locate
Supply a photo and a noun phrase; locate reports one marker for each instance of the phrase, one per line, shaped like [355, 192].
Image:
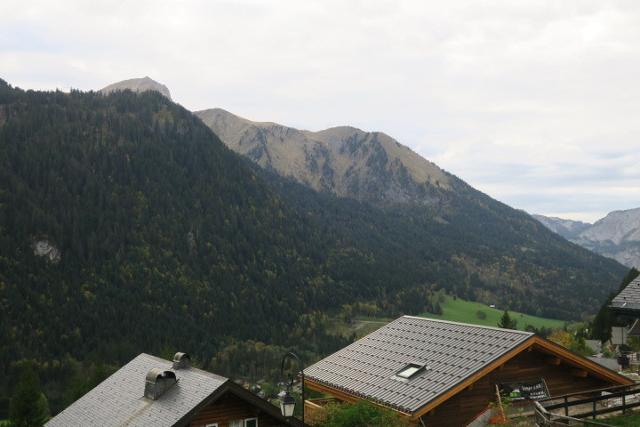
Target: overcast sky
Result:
[536, 103]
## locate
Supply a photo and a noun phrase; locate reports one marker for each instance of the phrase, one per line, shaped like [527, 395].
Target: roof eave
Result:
[245, 395]
[629, 310]
[348, 396]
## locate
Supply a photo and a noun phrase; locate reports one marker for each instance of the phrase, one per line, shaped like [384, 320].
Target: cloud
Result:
[534, 102]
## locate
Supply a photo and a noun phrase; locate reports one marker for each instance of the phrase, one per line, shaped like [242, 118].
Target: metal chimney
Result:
[181, 361]
[157, 382]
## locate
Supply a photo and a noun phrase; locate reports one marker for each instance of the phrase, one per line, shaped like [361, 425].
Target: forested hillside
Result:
[127, 226]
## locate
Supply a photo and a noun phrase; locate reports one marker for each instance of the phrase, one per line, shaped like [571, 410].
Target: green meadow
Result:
[459, 310]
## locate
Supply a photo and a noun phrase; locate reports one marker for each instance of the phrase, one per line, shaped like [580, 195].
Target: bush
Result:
[481, 315]
[361, 414]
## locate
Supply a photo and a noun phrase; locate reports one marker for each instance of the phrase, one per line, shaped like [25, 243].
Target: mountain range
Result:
[375, 169]
[616, 236]
[127, 225]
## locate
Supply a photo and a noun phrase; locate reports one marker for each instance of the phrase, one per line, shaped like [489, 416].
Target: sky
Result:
[536, 103]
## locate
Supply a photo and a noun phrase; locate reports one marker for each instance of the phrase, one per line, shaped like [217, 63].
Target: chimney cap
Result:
[181, 361]
[158, 381]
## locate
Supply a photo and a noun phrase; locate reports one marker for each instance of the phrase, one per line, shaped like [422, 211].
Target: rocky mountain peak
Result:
[617, 227]
[344, 160]
[138, 85]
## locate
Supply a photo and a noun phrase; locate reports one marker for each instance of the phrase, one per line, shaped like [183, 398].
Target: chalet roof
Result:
[119, 400]
[628, 298]
[449, 351]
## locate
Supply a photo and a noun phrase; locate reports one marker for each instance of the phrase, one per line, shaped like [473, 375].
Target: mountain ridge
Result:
[567, 228]
[344, 160]
[617, 235]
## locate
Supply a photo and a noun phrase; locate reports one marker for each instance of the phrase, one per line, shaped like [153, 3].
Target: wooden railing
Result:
[576, 408]
[545, 418]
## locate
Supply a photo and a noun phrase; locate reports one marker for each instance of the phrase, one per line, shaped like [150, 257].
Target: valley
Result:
[165, 239]
[319, 213]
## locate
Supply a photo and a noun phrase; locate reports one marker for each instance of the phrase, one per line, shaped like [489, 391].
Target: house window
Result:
[236, 423]
[410, 370]
[251, 422]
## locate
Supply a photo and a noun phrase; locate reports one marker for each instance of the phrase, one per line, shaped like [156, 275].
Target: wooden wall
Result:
[466, 405]
[230, 407]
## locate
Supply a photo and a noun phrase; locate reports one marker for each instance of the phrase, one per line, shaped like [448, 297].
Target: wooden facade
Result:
[465, 406]
[229, 407]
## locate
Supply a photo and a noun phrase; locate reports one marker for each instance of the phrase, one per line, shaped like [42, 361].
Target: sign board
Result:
[525, 390]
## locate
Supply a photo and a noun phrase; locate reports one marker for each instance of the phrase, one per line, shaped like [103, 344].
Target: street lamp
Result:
[287, 402]
[287, 405]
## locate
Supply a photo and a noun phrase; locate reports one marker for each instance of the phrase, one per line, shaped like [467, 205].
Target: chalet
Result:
[627, 302]
[150, 391]
[439, 373]
[626, 307]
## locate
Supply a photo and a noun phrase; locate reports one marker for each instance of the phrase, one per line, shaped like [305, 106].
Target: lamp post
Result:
[287, 402]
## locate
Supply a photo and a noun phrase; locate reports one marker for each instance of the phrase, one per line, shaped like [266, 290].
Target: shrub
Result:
[361, 414]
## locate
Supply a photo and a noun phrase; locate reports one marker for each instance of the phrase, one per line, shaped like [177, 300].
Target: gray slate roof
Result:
[452, 351]
[629, 297]
[119, 400]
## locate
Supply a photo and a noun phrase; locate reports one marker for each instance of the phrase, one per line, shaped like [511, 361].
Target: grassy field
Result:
[459, 310]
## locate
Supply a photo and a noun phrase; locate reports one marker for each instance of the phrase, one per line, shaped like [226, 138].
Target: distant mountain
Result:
[616, 236]
[567, 228]
[368, 166]
[138, 85]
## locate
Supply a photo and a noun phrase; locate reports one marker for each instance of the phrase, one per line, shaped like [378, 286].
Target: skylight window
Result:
[410, 370]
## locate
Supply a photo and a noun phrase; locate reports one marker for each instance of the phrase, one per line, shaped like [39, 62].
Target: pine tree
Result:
[29, 406]
[507, 322]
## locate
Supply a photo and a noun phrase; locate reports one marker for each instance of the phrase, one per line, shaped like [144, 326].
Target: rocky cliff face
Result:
[616, 236]
[617, 227]
[138, 85]
[346, 161]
